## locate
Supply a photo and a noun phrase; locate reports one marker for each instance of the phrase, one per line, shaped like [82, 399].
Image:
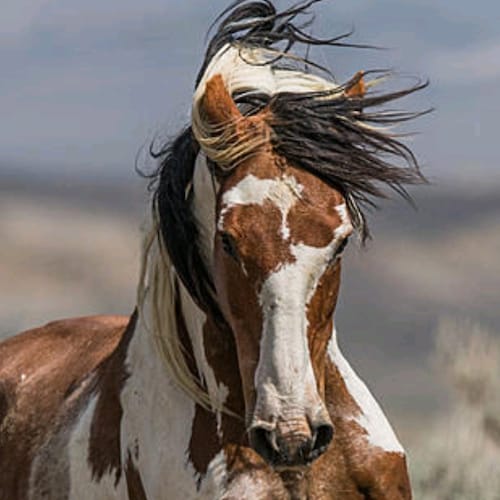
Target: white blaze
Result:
[284, 366]
[284, 369]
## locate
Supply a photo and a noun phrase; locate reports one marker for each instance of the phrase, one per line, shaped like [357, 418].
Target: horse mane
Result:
[315, 124]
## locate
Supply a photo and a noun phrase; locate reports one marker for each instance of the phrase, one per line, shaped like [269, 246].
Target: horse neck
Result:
[212, 344]
[157, 410]
[215, 357]
[168, 316]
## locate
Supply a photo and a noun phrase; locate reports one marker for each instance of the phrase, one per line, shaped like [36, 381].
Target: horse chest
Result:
[155, 433]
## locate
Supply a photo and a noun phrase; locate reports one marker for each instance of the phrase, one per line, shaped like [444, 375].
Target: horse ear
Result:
[217, 104]
[358, 86]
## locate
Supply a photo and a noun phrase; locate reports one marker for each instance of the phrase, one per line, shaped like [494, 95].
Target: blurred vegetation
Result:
[460, 457]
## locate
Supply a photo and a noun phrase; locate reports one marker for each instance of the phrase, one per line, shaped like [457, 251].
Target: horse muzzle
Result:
[293, 442]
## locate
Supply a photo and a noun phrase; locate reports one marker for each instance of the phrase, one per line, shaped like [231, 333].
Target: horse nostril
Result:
[263, 441]
[293, 449]
[323, 435]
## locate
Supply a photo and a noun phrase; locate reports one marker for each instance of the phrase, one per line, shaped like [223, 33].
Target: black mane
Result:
[332, 138]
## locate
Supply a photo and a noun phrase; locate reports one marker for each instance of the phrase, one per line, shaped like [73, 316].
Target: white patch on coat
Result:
[195, 320]
[283, 193]
[214, 484]
[371, 418]
[82, 483]
[344, 217]
[157, 419]
[253, 485]
[284, 369]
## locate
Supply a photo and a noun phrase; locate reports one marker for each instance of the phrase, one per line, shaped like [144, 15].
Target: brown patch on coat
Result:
[206, 439]
[375, 472]
[313, 221]
[352, 468]
[320, 321]
[204, 443]
[256, 231]
[240, 304]
[104, 443]
[382, 475]
[220, 351]
[40, 372]
[135, 488]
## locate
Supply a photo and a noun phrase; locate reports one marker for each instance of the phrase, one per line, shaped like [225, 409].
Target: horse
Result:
[227, 381]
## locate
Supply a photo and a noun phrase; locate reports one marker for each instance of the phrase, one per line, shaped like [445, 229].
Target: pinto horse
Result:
[227, 381]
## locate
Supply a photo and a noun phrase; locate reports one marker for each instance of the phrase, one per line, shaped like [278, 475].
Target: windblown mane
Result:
[315, 123]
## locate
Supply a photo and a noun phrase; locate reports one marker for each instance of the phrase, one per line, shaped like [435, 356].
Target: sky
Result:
[85, 84]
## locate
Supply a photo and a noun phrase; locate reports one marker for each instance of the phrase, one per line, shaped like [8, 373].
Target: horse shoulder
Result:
[46, 375]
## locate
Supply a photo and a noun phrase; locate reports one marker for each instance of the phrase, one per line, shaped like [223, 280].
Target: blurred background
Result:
[85, 85]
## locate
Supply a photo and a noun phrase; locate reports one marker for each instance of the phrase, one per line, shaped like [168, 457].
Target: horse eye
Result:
[341, 247]
[339, 250]
[229, 245]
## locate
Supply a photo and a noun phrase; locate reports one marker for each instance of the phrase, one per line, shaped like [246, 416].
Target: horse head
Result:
[280, 234]
[256, 201]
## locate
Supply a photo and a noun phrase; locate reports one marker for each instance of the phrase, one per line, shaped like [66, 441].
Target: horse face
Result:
[280, 233]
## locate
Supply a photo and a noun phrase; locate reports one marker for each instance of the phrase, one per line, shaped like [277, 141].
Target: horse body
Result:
[121, 429]
[227, 381]
[45, 383]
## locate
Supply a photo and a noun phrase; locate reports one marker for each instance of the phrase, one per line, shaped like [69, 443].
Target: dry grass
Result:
[460, 458]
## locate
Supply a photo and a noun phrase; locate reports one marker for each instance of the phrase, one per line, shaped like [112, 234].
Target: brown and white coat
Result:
[89, 411]
[227, 381]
